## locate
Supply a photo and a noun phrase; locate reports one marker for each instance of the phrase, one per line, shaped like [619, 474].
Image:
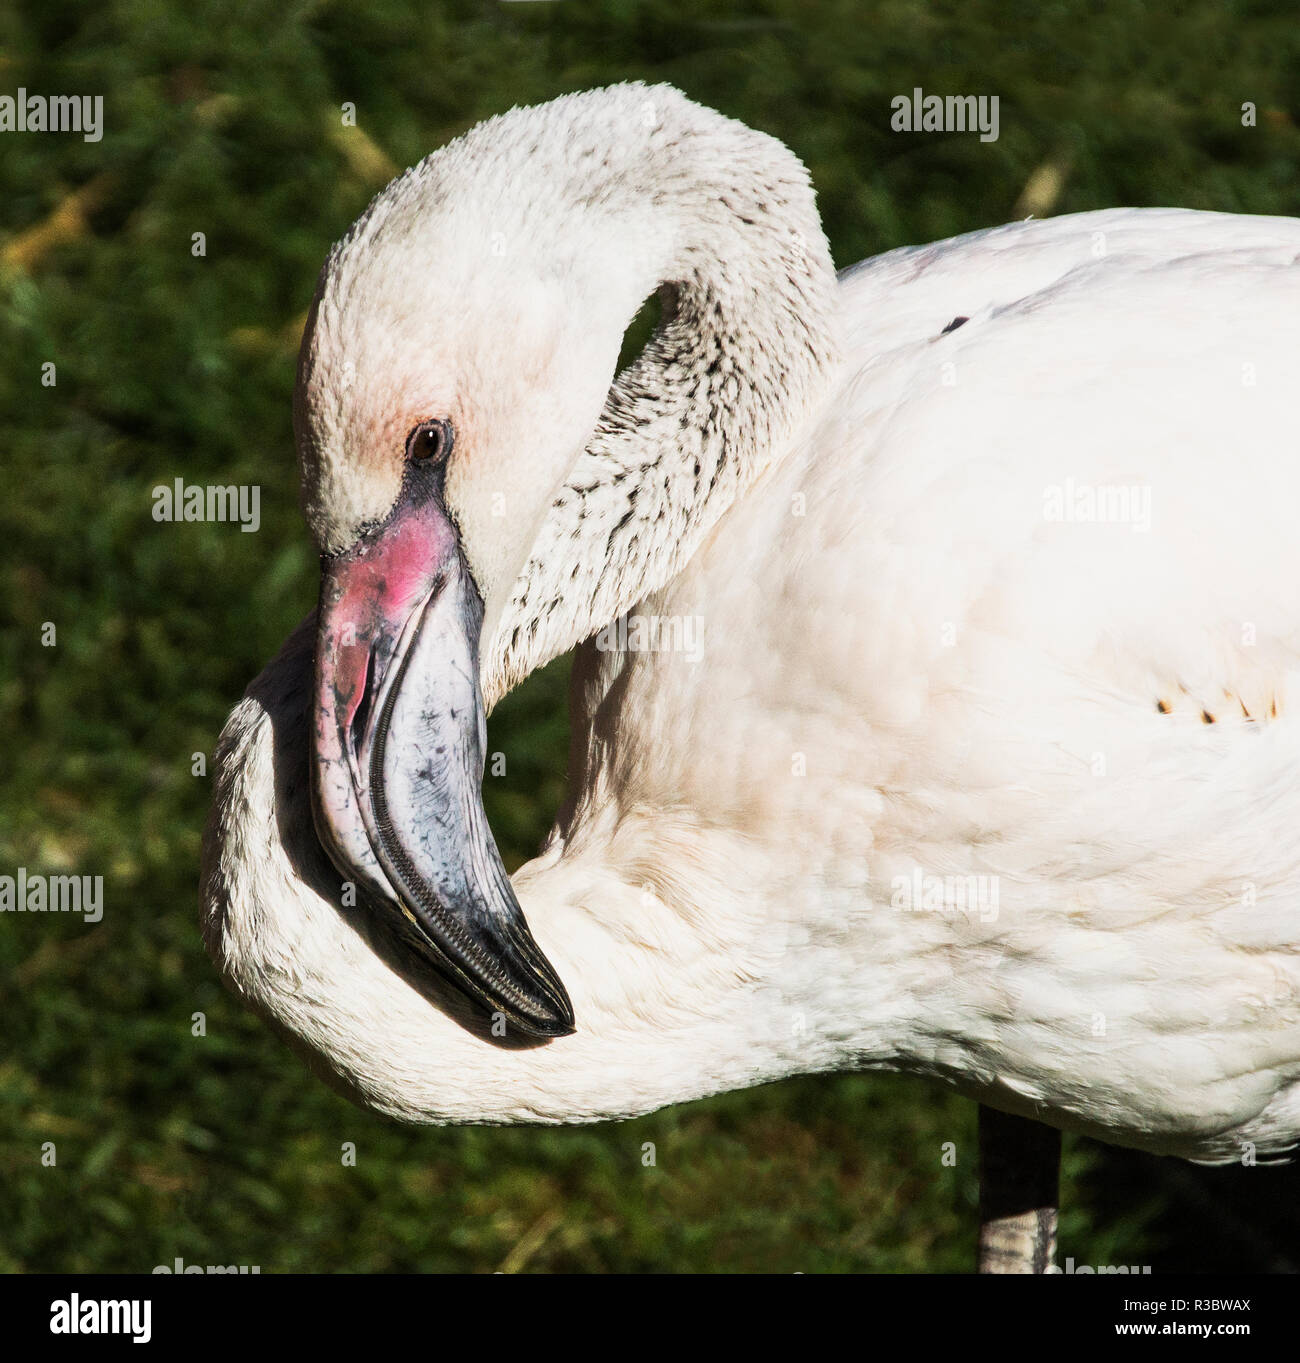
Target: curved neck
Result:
[730, 235]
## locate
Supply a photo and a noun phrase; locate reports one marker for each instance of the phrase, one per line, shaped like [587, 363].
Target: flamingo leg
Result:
[1020, 1164]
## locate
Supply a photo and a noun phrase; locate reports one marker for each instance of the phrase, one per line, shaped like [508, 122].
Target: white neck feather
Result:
[727, 229]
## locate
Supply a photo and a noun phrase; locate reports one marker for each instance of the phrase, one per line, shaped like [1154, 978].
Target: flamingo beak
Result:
[398, 756]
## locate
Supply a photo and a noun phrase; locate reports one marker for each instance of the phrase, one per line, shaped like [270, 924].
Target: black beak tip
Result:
[552, 1018]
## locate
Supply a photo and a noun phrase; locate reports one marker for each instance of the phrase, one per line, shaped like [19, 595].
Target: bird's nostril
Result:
[362, 712]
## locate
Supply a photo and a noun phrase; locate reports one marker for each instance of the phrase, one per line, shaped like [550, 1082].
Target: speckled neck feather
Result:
[729, 233]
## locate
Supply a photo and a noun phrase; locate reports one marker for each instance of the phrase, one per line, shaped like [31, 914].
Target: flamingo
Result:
[981, 765]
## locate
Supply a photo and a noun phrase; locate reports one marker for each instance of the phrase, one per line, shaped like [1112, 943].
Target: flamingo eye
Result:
[430, 441]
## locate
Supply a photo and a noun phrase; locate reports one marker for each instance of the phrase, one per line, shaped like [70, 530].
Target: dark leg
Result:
[1020, 1167]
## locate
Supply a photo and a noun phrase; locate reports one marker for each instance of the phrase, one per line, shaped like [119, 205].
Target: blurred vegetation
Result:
[224, 118]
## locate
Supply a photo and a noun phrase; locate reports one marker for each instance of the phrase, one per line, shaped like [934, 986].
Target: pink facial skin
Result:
[367, 596]
[370, 597]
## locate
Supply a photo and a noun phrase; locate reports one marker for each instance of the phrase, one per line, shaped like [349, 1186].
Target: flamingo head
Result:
[459, 351]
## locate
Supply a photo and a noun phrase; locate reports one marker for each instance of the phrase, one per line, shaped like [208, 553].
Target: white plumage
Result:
[918, 658]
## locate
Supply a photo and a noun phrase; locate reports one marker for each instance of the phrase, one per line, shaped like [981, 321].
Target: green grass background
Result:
[223, 118]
